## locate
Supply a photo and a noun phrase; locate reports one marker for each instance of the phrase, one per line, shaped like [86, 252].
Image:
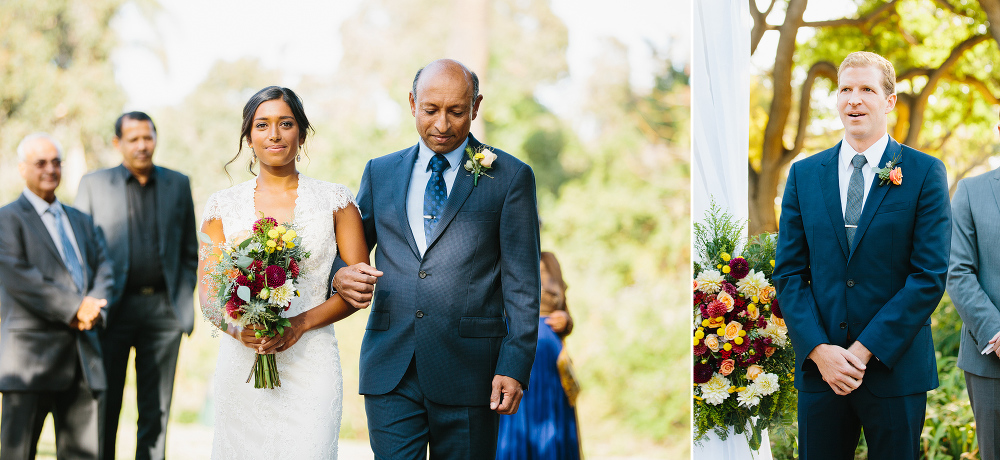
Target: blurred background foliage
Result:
[945, 54]
[612, 177]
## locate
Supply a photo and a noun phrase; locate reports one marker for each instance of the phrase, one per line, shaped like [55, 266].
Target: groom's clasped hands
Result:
[842, 368]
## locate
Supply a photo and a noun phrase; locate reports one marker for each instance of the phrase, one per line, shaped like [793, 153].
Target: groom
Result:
[861, 264]
[451, 336]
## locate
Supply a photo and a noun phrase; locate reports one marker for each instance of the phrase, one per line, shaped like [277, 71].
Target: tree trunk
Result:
[764, 188]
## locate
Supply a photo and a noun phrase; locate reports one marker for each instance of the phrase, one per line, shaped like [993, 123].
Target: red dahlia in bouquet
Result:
[743, 360]
[252, 282]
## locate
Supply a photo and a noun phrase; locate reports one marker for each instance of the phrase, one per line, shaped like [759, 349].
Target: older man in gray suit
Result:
[147, 214]
[55, 278]
[974, 287]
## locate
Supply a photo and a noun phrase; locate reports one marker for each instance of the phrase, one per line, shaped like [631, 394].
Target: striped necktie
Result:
[69, 254]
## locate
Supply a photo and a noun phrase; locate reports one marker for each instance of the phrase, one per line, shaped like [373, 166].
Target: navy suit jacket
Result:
[39, 351]
[882, 290]
[102, 194]
[468, 309]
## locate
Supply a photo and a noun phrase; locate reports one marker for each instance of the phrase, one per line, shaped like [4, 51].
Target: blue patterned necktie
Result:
[855, 198]
[435, 194]
[69, 254]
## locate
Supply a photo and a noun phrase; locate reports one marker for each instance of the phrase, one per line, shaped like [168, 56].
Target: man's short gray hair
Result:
[22, 147]
[475, 83]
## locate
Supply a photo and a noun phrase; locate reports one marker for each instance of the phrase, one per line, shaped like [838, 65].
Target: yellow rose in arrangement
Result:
[766, 294]
[754, 371]
[726, 299]
[732, 330]
[712, 342]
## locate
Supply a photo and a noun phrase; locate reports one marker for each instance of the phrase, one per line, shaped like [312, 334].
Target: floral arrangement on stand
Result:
[251, 283]
[743, 359]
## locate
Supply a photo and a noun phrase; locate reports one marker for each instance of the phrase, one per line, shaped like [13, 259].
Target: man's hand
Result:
[841, 369]
[996, 347]
[87, 313]
[558, 320]
[356, 283]
[861, 351]
[506, 395]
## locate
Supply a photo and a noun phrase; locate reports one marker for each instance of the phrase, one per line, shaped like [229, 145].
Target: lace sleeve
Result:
[212, 209]
[341, 197]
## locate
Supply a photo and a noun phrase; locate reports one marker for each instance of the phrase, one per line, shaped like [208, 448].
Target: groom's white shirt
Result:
[418, 183]
[873, 154]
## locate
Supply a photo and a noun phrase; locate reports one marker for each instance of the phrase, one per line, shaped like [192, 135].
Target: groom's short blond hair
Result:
[869, 59]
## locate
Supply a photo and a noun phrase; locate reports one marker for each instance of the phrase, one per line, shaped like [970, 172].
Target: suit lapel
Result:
[460, 192]
[404, 170]
[38, 227]
[163, 188]
[117, 198]
[995, 185]
[830, 183]
[876, 192]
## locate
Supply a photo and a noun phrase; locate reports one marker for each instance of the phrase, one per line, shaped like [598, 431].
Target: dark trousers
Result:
[75, 413]
[984, 396]
[830, 425]
[403, 422]
[148, 324]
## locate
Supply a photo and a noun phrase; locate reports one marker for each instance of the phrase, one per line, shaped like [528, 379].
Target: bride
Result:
[301, 418]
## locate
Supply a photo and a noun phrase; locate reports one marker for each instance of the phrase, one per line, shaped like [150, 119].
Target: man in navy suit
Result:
[451, 335]
[860, 266]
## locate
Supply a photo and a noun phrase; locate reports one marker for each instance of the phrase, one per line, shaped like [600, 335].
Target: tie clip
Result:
[851, 226]
[428, 217]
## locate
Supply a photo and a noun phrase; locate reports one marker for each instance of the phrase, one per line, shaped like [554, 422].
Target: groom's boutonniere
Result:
[890, 173]
[480, 159]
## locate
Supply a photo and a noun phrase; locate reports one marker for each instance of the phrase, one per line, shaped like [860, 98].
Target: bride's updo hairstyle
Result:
[269, 94]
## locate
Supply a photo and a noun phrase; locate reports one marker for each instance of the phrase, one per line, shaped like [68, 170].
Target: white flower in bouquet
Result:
[283, 294]
[777, 333]
[766, 384]
[715, 390]
[709, 281]
[750, 396]
[751, 284]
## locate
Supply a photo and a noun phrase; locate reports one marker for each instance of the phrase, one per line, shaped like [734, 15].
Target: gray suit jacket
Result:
[468, 309]
[38, 299]
[102, 194]
[974, 272]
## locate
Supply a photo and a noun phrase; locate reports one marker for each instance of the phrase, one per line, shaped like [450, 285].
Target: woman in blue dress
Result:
[545, 425]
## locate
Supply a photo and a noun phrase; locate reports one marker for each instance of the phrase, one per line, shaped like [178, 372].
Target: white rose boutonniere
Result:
[480, 159]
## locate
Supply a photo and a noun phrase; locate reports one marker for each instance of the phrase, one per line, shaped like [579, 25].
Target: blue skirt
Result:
[544, 427]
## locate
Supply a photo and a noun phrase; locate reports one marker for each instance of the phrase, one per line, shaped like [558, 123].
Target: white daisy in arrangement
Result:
[715, 390]
[709, 281]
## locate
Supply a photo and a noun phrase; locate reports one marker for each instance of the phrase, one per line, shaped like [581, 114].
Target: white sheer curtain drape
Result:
[720, 82]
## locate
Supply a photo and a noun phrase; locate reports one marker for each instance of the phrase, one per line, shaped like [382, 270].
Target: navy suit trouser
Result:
[403, 422]
[830, 425]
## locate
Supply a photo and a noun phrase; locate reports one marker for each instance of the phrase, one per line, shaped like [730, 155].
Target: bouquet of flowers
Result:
[743, 360]
[252, 283]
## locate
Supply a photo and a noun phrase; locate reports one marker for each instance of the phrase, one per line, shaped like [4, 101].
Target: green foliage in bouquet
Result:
[743, 360]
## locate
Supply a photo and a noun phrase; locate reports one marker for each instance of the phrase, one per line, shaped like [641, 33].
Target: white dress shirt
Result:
[873, 154]
[418, 183]
[41, 206]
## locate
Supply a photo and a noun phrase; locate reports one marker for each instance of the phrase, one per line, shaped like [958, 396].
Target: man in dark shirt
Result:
[147, 215]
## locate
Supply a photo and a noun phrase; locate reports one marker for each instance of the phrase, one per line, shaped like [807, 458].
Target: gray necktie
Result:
[69, 254]
[855, 198]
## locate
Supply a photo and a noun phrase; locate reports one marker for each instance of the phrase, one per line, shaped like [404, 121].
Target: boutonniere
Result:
[890, 173]
[480, 159]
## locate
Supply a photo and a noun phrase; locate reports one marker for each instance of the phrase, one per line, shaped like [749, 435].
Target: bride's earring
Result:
[253, 152]
[298, 157]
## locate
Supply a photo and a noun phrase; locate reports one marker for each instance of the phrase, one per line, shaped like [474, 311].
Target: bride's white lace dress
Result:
[301, 418]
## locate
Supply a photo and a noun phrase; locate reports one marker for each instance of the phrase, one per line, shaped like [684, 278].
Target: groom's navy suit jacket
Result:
[880, 291]
[468, 309]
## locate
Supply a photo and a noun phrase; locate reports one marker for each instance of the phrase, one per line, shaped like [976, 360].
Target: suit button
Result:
[850, 283]
[422, 274]
[420, 314]
[843, 325]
